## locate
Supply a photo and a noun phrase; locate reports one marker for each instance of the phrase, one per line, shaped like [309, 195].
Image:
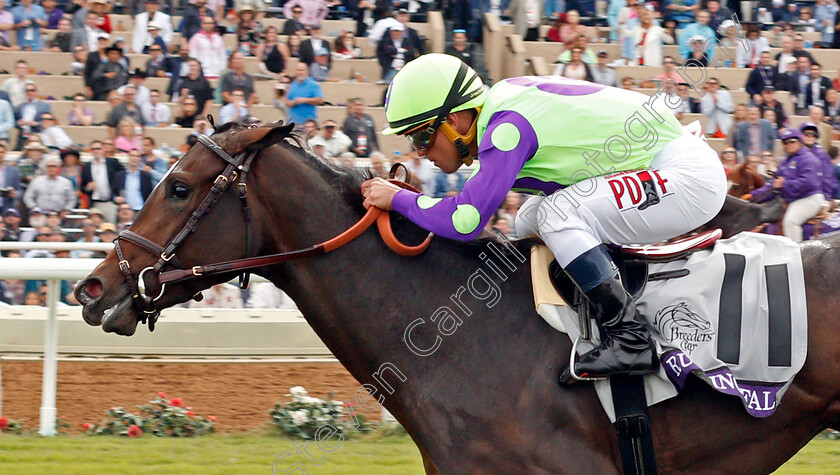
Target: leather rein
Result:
[237, 169]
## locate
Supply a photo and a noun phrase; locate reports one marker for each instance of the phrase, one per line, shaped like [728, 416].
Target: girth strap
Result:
[632, 422]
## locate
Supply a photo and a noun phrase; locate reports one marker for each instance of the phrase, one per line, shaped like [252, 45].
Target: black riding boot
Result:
[626, 347]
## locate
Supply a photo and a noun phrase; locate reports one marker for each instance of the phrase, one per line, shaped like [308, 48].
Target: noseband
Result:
[237, 168]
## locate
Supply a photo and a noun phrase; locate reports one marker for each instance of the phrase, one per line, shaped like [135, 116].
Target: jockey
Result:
[607, 166]
[810, 133]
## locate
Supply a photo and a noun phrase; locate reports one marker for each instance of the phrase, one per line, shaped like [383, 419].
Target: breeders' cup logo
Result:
[679, 325]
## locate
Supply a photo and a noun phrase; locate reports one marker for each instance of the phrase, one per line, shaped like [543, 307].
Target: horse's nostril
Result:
[93, 288]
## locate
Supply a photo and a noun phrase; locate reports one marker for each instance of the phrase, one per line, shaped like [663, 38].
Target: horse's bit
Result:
[237, 167]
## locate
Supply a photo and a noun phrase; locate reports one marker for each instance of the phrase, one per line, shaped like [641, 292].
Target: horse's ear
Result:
[264, 137]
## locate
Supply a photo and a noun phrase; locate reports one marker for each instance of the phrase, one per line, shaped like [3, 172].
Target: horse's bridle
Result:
[237, 168]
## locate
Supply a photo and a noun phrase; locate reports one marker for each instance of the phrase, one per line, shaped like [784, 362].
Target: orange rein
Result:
[383, 222]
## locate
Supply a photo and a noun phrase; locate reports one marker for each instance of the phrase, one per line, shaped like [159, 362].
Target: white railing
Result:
[53, 270]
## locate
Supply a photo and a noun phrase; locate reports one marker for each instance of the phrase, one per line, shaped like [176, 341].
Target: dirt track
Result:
[238, 394]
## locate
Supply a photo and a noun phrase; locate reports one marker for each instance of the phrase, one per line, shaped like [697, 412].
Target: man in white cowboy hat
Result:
[141, 37]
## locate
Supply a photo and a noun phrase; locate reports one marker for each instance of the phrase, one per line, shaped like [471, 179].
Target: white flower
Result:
[299, 417]
[298, 391]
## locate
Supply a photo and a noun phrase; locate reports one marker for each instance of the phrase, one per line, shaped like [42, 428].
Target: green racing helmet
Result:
[429, 88]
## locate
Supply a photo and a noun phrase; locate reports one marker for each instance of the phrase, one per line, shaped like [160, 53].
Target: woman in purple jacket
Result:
[800, 180]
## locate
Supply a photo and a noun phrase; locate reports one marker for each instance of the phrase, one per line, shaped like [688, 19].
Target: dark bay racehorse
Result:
[484, 398]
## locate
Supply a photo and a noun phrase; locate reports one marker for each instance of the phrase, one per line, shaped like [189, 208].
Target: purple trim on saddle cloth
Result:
[572, 88]
[530, 184]
[759, 399]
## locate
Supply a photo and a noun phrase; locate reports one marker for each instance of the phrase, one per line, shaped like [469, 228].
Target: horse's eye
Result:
[180, 191]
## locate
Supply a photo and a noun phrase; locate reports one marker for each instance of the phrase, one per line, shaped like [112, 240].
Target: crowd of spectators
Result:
[50, 194]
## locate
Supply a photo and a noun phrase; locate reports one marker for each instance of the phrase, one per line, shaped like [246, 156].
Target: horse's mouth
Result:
[119, 318]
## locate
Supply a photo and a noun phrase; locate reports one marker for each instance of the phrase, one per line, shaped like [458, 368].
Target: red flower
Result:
[162, 395]
[176, 401]
[211, 418]
[137, 413]
[4, 423]
[134, 431]
[190, 414]
[87, 425]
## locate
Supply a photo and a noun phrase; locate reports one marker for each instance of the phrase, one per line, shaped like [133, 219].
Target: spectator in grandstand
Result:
[788, 80]
[237, 78]
[787, 52]
[98, 176]
[107, 232]
[304, 96]
[378, 164]
[576, 68]
[817, 87]
[628, 19]
[77, 66]
[128, 108]
[603, 74]
[763, 76]
[88, 35]
[79, 113]
[29, 19]
[61, 42]
[280, 88]
[141, 92]
[249, 30]
[158, 65]
[422, 171]
[717, 13]
[134, 185]
[403, 17]
[142, 37]
[101, 8]
[767, 101]
[155, 112]
[15, 85]
[209, 48]
[152, 163]
[88, 236]
[748, 51]
[314, 11]
[588, 55]
[799, 48]
[755, 135]
[527, 16]
[11, 218]
[234, 109]
[72, 170]
[29, 163]
[678, 101]
[29, 113]
[799, 182]
[448, 184]
[52, 135]
[50, 191]
[683, 11]
[832, 108]
[716, 104]
[10, 185]
[628, 83]
[697, 57]
[649, 38]
[272, 54]
[294, 24]
[393, 51]
[7, 119]
[293, 44]
[193, 14]
[334, 141]
[156, 40]
[669, 72]
[824, 13]
[7, 24]
[729, 158]
[127, 139]
[572, 29]
[314, 43]
[110, 74]
[193, 85]
[219, 296]
[188, 112]
[801, 80]
[359, 126]
[319, 70]
[699, 28]
[460, 48]
[805, 21]
[95, 89]
[816, 114]
[345, 47]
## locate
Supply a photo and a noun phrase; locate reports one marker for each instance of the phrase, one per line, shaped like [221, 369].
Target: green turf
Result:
[250, 453]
